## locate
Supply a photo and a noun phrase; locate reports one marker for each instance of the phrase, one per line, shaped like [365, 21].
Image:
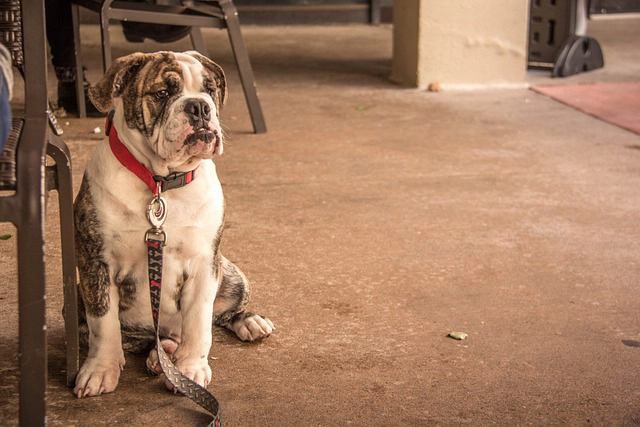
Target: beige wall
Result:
[460, 43]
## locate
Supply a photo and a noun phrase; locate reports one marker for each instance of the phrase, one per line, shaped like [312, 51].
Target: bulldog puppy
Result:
[165, 125]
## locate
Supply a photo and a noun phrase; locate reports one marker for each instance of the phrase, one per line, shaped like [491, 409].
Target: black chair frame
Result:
[25, 181]
[195, 13]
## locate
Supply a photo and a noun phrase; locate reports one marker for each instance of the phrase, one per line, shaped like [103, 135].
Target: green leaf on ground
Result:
[457, 335]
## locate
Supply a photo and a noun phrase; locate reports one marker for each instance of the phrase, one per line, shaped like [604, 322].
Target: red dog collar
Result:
[122, 153]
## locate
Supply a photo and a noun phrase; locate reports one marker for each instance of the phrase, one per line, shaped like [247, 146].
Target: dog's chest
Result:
[193, 223]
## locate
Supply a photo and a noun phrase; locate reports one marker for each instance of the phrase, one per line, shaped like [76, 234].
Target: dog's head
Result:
[169, 101]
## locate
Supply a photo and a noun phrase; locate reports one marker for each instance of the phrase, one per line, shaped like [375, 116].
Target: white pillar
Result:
[460, 43]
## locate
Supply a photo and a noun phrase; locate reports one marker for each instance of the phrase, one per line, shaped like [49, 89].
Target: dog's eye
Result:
[161, 94]
[211, 92]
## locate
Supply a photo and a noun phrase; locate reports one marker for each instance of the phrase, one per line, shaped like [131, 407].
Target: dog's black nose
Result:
[199, 112]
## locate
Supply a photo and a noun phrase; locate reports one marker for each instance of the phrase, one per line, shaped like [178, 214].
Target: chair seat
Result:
[196, 14]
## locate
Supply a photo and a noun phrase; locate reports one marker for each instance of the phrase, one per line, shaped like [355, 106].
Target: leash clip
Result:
[157, 214]
[156, 235]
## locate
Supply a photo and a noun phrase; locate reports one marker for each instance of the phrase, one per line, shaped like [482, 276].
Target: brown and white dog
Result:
[166, 116]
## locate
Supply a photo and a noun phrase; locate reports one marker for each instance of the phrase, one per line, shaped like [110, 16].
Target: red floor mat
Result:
[615, 103]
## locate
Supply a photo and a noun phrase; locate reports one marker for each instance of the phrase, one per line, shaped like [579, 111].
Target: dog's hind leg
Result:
[229, 309]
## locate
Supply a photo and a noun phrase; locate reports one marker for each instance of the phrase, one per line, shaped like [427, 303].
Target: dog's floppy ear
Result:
[112, 84]
[216, 72]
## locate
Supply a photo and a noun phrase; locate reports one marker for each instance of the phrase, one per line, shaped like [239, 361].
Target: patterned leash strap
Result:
[156, 238]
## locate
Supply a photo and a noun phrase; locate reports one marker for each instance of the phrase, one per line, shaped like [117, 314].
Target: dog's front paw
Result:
[97, 376]
[252, 327]
[197, 369]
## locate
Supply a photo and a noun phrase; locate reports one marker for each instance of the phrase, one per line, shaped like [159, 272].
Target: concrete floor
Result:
[373, 220]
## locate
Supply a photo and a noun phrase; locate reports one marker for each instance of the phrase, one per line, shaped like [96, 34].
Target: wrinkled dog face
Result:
[170, 99]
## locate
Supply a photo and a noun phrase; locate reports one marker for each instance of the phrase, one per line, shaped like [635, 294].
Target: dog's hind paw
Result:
[252, 327]
[153, 362]
[97, 376]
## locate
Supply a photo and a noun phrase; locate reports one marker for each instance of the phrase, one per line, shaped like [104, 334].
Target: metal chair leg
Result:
[244, 65]
[198, 41]
[106, 40]
[75, 18]
[60, 154]
[33, 339]
[31, 281]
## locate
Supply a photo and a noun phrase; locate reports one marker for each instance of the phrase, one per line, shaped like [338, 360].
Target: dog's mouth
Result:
[203, 135]
[205, 139]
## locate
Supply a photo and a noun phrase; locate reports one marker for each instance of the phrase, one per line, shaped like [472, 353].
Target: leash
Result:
[156, 239]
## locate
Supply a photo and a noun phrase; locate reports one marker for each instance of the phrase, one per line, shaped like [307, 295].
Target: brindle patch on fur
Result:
[94, 271]
[83, 327]
[141, 339]
[146, 112]
[127, 288]
[215, 262]
[180, 281]
[147, 84]
[235, 290]
[215, 87]
[137, 338]
[215, 83]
